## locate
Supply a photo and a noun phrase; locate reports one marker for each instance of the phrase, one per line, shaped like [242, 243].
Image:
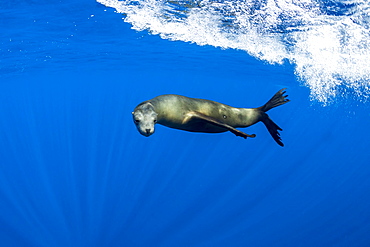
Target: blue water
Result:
[74, 171]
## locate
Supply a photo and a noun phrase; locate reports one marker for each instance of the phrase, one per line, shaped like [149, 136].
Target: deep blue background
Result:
[74, 171]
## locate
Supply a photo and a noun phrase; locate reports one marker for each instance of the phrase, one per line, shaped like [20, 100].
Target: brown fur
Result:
[200, 115]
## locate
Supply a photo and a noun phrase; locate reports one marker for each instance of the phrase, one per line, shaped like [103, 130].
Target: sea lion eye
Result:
[155, 120]
[137, 121]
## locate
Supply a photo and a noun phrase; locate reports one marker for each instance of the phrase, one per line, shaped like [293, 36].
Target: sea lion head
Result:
[145, 118]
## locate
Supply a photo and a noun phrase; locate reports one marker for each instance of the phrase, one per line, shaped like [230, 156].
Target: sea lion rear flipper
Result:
[272, 129]
[278, 99]
[200, 116]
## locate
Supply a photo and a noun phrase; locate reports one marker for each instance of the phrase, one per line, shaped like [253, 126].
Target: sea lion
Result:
[200, 115]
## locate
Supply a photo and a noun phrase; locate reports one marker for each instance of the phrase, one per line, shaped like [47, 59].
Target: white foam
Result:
[331, 52]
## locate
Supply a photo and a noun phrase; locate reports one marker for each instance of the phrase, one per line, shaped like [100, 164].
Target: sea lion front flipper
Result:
[200, 116]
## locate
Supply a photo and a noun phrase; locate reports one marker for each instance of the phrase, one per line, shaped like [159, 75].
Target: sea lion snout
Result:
[148, 132]
[145, 129]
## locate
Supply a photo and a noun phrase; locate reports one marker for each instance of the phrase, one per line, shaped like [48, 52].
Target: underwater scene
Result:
[91, 156]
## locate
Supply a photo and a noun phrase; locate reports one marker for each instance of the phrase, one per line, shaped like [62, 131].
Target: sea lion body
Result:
[201, 115]
[174, 111]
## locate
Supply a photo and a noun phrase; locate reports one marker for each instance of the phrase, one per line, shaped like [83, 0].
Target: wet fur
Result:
[200, 115]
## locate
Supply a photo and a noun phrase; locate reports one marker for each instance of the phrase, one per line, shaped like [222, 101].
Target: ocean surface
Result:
[74, 170]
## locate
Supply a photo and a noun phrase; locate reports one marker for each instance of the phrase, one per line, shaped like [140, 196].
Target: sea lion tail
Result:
[278, 99]
[272, 128]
